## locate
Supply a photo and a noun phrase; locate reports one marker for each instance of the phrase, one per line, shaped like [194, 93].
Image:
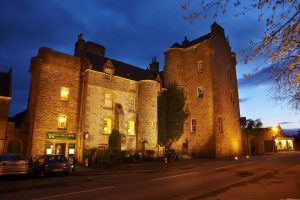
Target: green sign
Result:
[64, 136]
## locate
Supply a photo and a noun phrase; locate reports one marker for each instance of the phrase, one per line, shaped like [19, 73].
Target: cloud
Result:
[286, 122]
[243, 100]
[259, 78]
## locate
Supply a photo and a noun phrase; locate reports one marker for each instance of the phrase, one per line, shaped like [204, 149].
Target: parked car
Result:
[12, 163]
[49, 164]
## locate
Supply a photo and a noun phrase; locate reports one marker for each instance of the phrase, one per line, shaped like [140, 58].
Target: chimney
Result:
[154, 66]
[79, 46]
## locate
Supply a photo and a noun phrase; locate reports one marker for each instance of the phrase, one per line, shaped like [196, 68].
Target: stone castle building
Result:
[77, 101]
[205, 68]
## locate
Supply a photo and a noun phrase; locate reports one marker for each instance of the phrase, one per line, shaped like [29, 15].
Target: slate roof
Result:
[5, 84]
[191, 43]
[121, 69]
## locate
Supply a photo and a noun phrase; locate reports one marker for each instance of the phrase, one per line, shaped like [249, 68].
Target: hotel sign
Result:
[62, 136]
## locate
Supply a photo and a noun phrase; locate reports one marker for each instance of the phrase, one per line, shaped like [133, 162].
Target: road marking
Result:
[174, 176]
[228, 166]
[71, 193]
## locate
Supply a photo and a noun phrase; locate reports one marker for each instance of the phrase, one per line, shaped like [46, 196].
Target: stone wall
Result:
[51, 70]
[226, 103]
[94, 111]
[4, 109]
[147, 115]
[182, 67]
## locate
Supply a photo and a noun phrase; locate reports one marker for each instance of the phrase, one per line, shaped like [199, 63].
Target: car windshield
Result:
[57, 158]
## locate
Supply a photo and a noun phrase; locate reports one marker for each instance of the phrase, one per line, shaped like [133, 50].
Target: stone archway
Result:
[14, 146]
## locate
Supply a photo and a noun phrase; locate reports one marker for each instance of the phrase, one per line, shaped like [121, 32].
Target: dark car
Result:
[49, 164]
[12, 163]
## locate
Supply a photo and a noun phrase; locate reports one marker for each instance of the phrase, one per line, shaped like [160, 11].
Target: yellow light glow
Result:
[62, 120]
[247, 157]
[64, 93]
[274, 128]
[236, 158]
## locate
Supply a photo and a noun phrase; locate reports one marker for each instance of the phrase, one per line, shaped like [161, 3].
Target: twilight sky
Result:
[133, 31]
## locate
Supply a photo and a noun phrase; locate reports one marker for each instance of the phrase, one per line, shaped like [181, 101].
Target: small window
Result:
[232, 97]
[200, 66]
[220, 124]
[193, 126]
[131, 104]
[102, 146]
[107, 126]
[107, 74]
[62, 121]
[131, 128]
[64, 93]
[200, 92]
[108, 100]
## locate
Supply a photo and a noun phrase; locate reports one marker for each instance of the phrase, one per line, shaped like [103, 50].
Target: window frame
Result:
[200, 66]
[107, 74]
[108, 122]
[111, 101]
[59, 121]
[200, 92]
[65, 90]
[193, 125]
[131, 104]
[131, 129]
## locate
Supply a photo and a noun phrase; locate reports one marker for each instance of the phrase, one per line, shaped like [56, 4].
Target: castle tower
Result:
[54, 104]
[205, 68]
[147, 117]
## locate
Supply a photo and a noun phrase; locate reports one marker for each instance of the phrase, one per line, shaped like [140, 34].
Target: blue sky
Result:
[132, 31]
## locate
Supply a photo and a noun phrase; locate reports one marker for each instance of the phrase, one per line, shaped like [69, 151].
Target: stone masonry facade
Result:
[103, 95]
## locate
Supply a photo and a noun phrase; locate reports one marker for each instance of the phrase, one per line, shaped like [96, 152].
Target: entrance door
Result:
[60, 148]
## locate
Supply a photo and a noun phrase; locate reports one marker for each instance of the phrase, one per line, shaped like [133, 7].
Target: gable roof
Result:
[187, 43]
[121, 69]
[5, 84]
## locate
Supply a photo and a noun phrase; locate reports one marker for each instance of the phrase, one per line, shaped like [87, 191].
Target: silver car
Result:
[12, 163]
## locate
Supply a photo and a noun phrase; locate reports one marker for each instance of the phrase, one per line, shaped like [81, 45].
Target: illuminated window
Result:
[62, 121]
[193, 126]
[64, 93]
[108, 100]
[200, 66]
[107, 74]
[131, 104]
[131, 128]
[220, 124]
[107, 126]
[200, 92]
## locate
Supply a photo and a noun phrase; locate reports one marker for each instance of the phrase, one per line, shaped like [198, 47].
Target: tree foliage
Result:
[252, 124]
[279, 44]
[171, 114]
[115, 140]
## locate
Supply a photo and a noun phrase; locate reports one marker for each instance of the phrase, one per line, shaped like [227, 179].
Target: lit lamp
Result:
[86, 135]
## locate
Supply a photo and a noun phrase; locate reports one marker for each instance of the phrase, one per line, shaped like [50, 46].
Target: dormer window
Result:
[107, 74]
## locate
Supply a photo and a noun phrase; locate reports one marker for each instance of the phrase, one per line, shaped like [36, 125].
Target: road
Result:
[275, 176]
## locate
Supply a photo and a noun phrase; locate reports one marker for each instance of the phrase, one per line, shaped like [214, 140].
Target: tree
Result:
[252, 124]
[279, 44]
[171, 114]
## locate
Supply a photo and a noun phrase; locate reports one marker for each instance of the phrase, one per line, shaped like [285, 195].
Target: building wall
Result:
[51, 70]
[226, 103]
[4, 109]
[182, 67]
[147, 115]
[16, 135]
[94, 111]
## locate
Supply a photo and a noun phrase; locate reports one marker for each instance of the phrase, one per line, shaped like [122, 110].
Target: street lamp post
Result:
[274, 129]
